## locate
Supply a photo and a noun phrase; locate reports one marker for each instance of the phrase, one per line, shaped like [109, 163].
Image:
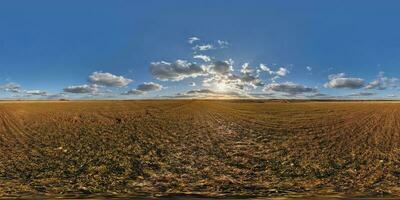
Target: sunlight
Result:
[221, 87]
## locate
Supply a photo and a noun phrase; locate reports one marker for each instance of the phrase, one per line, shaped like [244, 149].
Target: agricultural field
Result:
[199, 147]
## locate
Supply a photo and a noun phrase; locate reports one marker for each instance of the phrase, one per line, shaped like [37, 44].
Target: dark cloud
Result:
[220, 67]
[289, 88]
[143, 88]
[11, 87]
[149, 86]
[362, 94]
[133, 92]
[57, 96]
[179, 70]
[208, 93]
[81, 89]
[318, 95]
[201, 91]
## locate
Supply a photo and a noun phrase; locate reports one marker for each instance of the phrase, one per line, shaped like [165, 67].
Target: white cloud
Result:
[36, 92]
[375, 84]
[339, 75]
[107, 79]
[264, 67]
[246, 69]
[191, 40]
[82, 89]
[179, 70]
[204, 47]
[309, 68]
[221, 77]
[341, 81]
[223, 43]
[282, 71]
[204, 58]
[382, 82]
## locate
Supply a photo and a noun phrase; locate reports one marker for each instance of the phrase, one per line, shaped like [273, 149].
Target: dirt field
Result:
[202, 147]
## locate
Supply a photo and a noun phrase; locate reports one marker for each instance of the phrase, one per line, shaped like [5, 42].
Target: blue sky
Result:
[141, 49]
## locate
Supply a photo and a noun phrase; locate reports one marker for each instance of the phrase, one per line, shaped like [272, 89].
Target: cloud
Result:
[11, 87]
[143, 88]
[221, 77]
[57, 96]
[201, 91]
[341, 81]
[82, 89]
[263, 95]
[191, 40]
[133, 92]
[223, 43]
[289, 88]
[109, 80]
[179, 70]
[318, 95]
[281, 72]
[375, 84]
[149, 86]
[220, 67]
[203, 58]
[208, 93]
[362, 94]
[204, 47]
[264, 67]
[220, 44]
[249, 76]
[250, 79]
[382, 82]
[246, 69]
[309, 68]
[36, 93]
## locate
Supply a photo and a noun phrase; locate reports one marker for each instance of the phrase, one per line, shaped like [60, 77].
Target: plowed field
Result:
[211, 148]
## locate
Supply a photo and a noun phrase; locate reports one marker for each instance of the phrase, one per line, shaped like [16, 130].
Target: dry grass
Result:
[203, 147]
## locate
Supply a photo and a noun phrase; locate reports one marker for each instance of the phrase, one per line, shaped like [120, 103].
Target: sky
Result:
[143, 49]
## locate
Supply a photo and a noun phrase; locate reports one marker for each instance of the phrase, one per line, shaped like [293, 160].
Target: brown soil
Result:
[199, 147]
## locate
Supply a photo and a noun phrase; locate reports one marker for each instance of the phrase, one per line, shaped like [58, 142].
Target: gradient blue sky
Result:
[52, 45]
